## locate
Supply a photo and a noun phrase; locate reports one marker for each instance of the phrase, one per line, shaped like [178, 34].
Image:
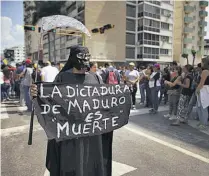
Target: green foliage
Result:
[193, 53]
[185, 56]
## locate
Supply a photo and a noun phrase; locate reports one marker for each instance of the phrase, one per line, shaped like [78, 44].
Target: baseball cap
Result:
[157, 65]
[132, 64]
[28, 61]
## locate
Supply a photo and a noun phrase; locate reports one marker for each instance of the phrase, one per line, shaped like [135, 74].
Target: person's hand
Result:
[166, 82]
[33, 90]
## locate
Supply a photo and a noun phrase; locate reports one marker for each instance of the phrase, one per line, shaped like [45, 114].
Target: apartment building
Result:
[149, 31]
[31, 37]
[106, 47]
[19, 53]
[206, 48]
[189, 29]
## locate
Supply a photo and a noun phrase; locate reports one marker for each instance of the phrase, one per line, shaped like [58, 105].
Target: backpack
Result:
[112, 78]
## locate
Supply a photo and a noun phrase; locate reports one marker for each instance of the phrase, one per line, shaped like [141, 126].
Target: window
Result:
[164, 38]
[164, 51]
[130, 52]
[151, 11]
[150, 39]
[71, 7]
[149, 25]
[154, 2]
[130, 10]
[130, 39]
[151, 53]
[166, 13]
[164, 26]
[140, 25]
[130, 25]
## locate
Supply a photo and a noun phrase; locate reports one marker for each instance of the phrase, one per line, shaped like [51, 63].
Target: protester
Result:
[27, 81]
[36, 75]
[48, 73]
[173, 94]
[6, 85]
[185, 96]
[202, 92]
[154, 85]
[163, 90]
[142, 84]
[91, 155]
[21, 77]
[132, 78]
[111, 75]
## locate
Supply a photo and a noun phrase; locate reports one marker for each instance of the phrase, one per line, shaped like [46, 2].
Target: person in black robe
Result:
[84, 156]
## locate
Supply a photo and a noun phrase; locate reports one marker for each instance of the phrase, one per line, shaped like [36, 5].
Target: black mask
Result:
[79, 58]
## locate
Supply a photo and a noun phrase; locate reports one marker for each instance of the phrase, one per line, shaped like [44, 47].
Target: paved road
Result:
[147, 146]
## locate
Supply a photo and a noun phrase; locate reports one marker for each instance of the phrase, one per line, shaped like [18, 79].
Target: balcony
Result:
[188, 30]
[187, 40]
[186, 51]
[202, 33]
[188, 9]
[203, 3]
[187, 1]
[188, 20]
[201, 43]
[203, 13]
[202, 23]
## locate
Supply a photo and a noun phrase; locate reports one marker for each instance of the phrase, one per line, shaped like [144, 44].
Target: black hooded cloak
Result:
[85, 156]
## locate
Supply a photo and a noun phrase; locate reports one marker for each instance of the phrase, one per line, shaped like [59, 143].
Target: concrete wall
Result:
[110, 46]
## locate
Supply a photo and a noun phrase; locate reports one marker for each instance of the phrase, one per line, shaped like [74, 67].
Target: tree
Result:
[194, 55]
[186, 57]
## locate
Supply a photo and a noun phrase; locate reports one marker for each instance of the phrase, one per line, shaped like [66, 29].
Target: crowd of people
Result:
[178, 86]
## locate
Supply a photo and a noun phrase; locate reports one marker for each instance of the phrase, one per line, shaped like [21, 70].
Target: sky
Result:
[12, 33]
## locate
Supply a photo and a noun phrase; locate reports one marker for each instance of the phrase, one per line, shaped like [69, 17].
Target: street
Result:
[147, 146]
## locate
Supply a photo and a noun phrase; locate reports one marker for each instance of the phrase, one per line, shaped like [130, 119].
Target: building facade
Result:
[143, 32]
[31, 37]
[15, 54]
[189, 29]
[149, 31]
[206, 48]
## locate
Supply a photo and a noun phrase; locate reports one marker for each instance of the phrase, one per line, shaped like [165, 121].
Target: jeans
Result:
[22, 95]
[28, 101]
[133, 90]
[5, 91]
[192, 103]
[202, 113]
[148, 96]
[154, 94]
[142, 88]
[163, 92]
[173, 103]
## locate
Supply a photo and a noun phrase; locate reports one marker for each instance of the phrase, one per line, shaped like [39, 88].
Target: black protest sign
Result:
[67, 111]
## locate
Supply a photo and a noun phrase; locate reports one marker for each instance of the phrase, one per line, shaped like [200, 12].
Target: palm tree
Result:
[186, 57]
[193, 54]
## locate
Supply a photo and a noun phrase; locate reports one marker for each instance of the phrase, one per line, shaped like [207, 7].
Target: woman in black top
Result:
[203, 85]
[186, 93]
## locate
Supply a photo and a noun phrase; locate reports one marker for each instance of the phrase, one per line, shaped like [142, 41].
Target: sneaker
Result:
[167, 115]
[202, 127]
[134, 107]
[176, 123]
[151, 110]
[172, 117]
[141, 103]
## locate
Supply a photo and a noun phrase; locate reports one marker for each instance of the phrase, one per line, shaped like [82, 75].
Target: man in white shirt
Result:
[48, 73]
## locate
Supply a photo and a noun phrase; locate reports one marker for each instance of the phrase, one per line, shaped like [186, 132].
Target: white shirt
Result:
[1, 78]
[132, 75]
[152, 81]
[49, 73]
